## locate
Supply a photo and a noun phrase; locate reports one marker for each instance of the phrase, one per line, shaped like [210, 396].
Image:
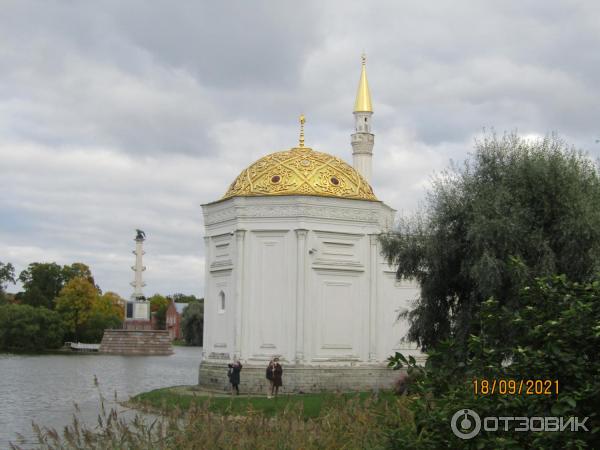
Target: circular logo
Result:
[465, 423]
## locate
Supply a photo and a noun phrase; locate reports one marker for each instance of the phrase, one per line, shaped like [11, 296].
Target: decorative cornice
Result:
[364, 215]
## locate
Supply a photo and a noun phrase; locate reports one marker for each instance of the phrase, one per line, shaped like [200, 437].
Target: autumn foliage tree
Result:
[107, 313]
[42, 282]
[75, 304]
[82, 311]
[110, 304]
[158, 306]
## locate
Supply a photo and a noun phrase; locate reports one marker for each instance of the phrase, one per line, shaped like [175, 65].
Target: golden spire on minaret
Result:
[363, 96]
[302, 121]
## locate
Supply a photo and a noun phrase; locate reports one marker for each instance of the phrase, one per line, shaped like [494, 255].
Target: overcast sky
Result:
[116, 115]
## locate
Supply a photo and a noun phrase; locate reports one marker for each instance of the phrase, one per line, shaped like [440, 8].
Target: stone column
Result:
[207, 299]
[239, 280]
[373, 253]
[300, 292]
[139, 267]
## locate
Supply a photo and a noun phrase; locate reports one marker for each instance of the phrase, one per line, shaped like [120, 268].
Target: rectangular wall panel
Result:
[271, 290]
[221, 253]
[221, 320]
[270, 293]
[338, 250]
[337, 314]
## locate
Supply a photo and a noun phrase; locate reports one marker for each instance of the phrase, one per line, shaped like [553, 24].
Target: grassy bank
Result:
[316, 421]
[192, 419]
[310, 405]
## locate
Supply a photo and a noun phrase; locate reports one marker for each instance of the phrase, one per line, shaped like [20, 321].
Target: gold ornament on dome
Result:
[301, 171]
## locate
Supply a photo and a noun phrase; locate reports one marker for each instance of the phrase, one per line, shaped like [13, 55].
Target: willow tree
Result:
[514, 210]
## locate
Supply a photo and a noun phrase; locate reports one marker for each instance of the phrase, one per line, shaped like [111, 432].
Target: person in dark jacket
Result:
[234, 376]
[270, 378]
[277, 377]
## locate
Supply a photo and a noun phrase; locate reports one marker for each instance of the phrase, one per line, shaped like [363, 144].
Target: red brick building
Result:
[173, 319]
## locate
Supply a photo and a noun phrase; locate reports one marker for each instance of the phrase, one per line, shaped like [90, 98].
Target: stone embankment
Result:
[136, 342]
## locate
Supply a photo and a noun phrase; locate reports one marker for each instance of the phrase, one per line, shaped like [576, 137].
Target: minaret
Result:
[363, 139]
[137, 283]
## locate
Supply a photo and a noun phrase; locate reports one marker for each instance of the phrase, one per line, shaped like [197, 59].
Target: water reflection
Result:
[44, 388]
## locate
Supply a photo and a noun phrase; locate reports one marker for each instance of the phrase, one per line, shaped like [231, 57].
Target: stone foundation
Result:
[136, 342]
[137, 325]
[300, 379]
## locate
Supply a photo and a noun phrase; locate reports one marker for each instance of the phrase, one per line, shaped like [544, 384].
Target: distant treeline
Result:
[64, 303]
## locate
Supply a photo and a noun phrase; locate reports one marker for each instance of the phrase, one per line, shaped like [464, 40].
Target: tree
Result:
[107, 313]
[78, 270]
[192, 323]
[183, 298]
[23, 327]
[93, 329]
[515, 210]
[111, 303]
[76, 303]
[158, 306]
[41, 284]
[7, 275]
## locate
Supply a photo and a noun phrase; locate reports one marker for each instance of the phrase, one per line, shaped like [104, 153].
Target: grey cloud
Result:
[233, 44]
[117, 115]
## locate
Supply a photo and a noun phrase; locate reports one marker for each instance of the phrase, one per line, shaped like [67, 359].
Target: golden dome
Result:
[301, 171]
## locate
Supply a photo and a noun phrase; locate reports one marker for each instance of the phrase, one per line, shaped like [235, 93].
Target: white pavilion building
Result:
[294, 270]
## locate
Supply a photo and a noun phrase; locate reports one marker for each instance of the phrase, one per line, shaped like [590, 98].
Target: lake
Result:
[44, 388]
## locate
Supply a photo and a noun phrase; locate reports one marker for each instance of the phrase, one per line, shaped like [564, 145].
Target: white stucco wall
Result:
[303, 279]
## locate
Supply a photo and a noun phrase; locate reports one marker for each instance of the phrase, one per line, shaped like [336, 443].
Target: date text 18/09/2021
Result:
[514, 387]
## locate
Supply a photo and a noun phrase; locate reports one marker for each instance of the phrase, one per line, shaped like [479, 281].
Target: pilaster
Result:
[207, 299]
[300, 292]
[373, 252]
[239, 280]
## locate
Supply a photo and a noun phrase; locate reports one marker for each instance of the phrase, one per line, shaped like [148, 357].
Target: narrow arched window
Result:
[221, 302]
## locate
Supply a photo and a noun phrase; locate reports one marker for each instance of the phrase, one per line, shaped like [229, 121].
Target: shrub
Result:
[93, 329]
[23, 327]
[557, 337]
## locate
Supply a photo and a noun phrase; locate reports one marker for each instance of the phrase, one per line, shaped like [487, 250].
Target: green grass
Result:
[311, 405]
[309, 422]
